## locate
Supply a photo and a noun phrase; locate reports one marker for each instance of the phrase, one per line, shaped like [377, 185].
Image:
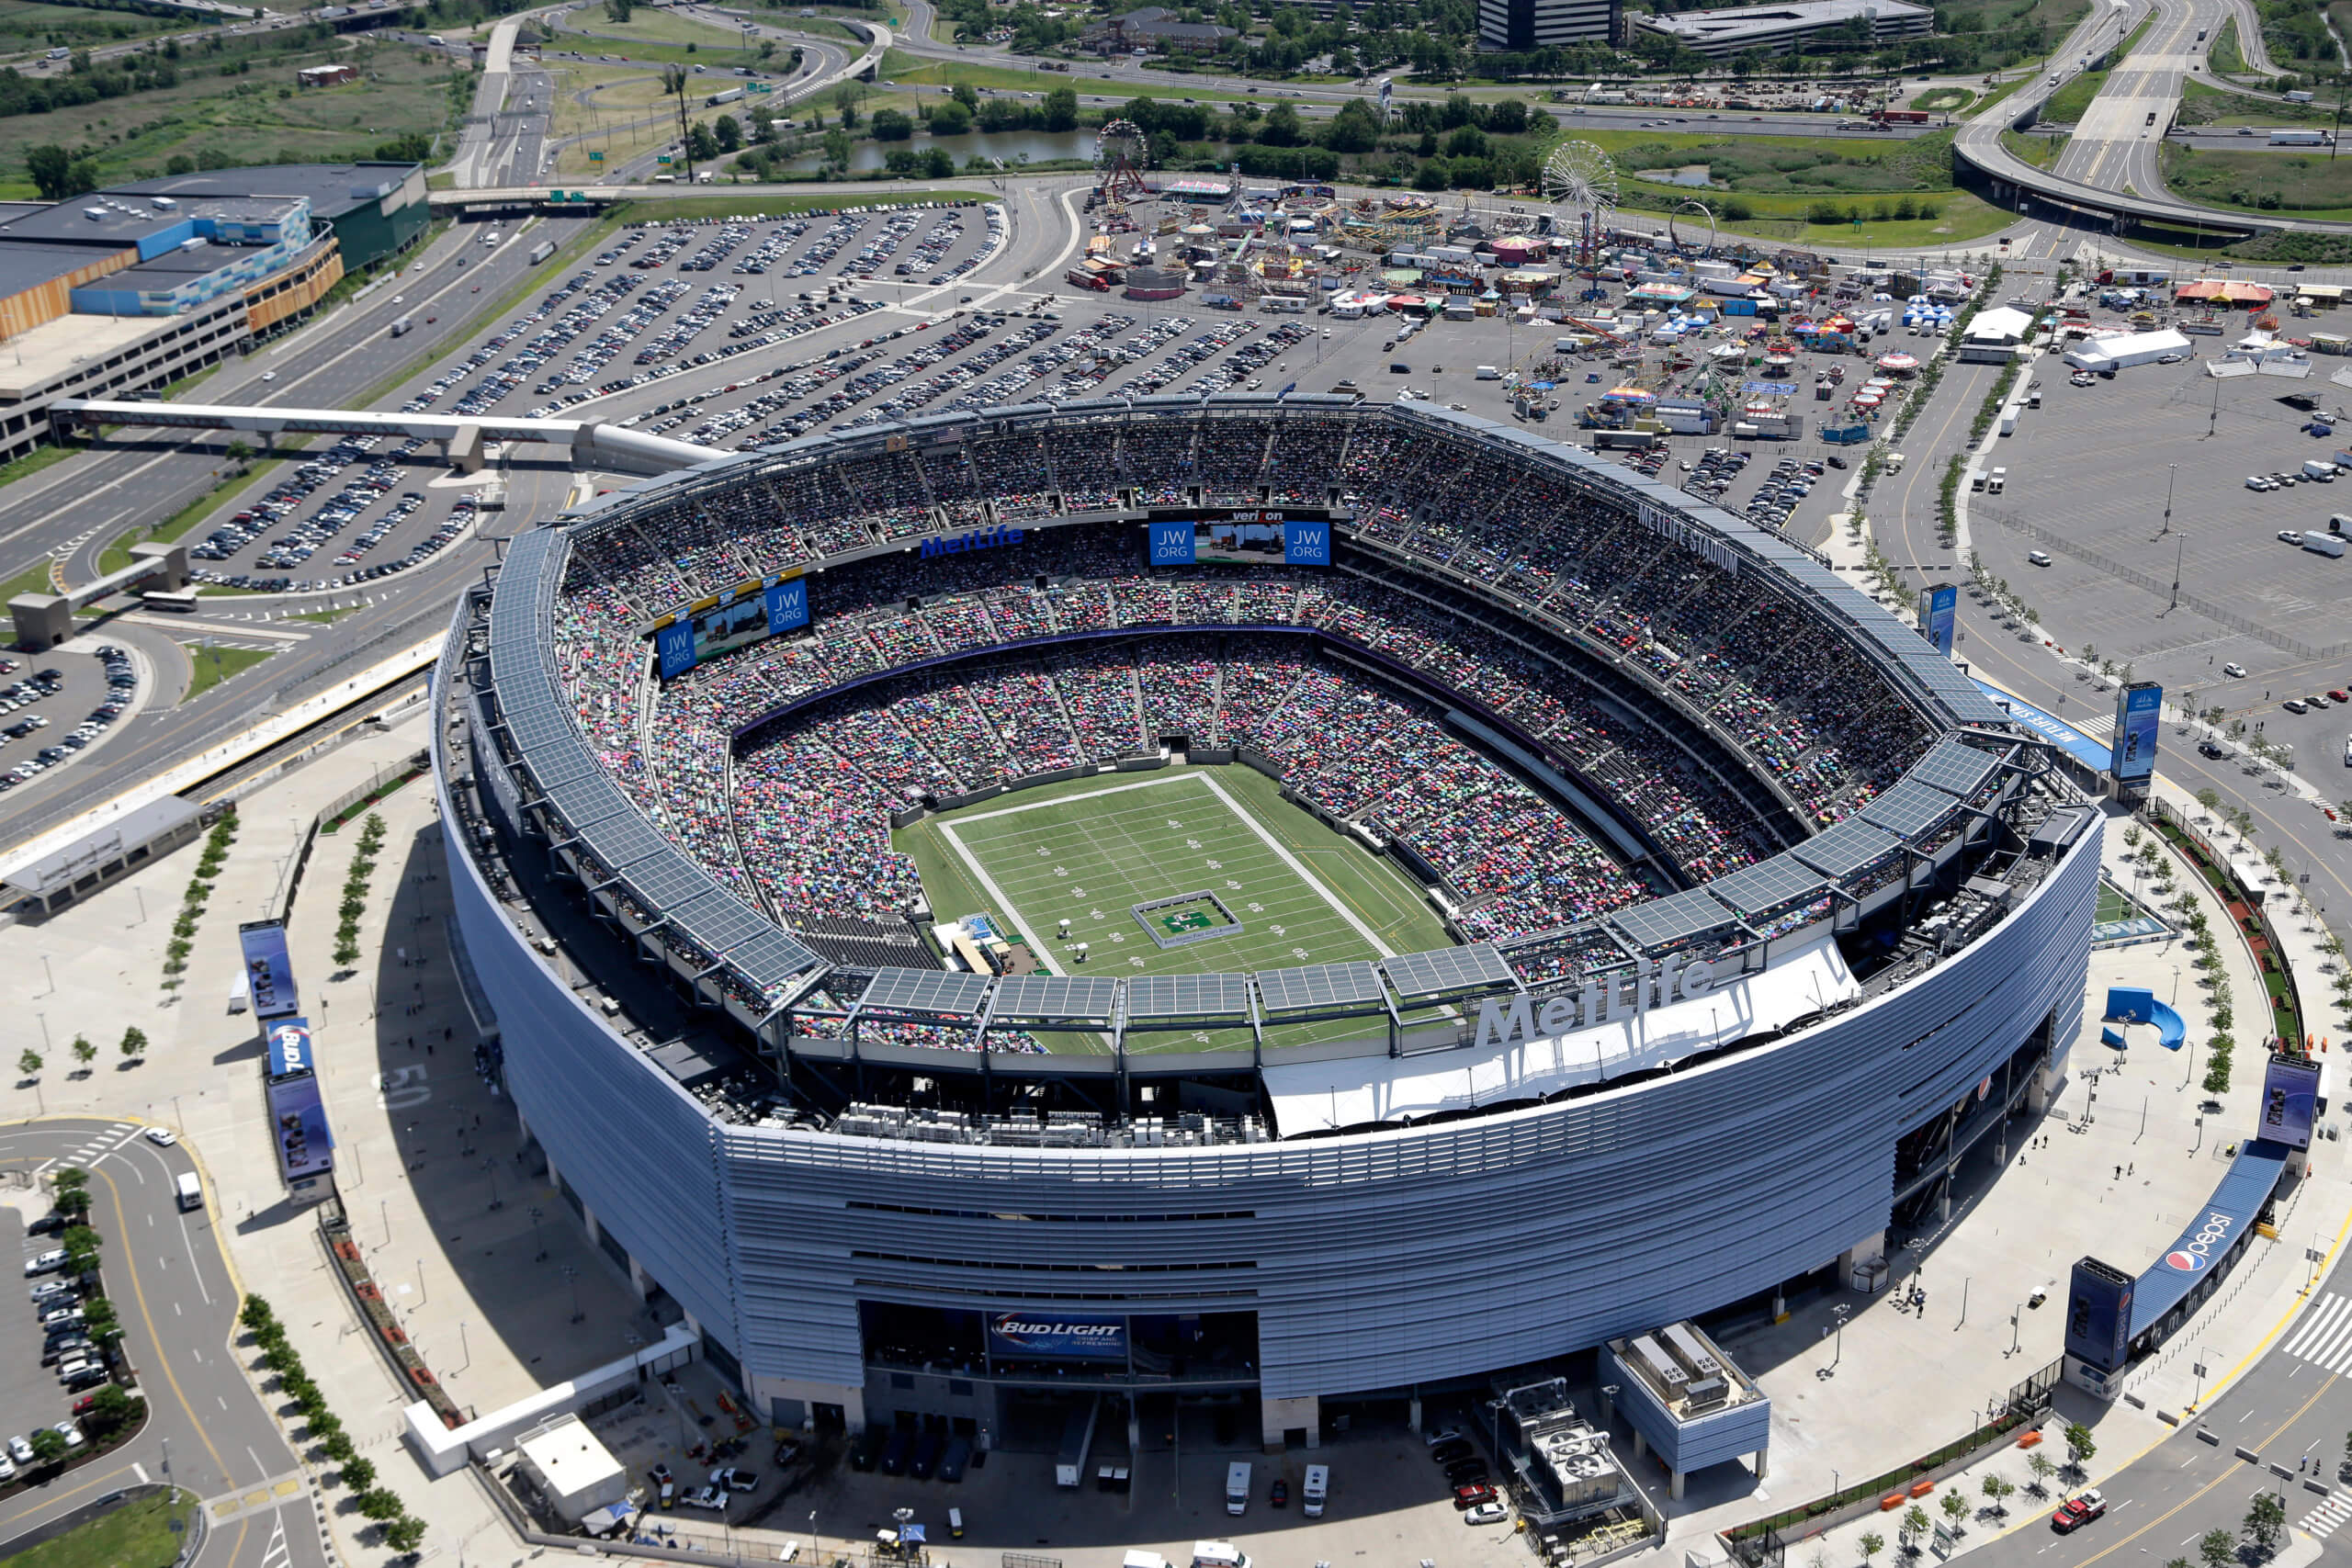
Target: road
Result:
[208, 1430]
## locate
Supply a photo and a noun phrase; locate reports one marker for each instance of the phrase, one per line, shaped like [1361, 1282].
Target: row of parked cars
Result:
[122, 684]
[1465, 1473]
[66, 1345]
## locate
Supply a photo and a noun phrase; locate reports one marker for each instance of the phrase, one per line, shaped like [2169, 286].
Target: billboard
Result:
[1058, 1336]
[2290, 1101]
[290, 1047]
[2138, 709]
[298, 1124]
[781, 605]
[1169, 544]
[2098, 1316]
[1307, 543]
[1939, 608]
[269, 969]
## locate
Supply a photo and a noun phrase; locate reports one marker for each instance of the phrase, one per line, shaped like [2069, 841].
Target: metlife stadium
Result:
[1765, 914]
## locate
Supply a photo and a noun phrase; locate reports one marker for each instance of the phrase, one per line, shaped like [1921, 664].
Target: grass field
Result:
[213, 665]
[1088, 850]
[137, 1535]
[2313, 187]
[25, 26]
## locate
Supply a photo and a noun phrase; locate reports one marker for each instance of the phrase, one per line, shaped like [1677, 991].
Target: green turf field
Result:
[2112, 904]
[1088, 850]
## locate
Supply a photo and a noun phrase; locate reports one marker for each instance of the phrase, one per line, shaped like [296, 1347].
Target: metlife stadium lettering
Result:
[977, 539]
[1599, 1001]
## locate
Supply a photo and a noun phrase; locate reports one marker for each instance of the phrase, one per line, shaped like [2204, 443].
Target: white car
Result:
[1493, 1513]
[2255, 482]
[162, 1137]
[2289, 537]
[20, 1451]
[711, 1497]
[45, 1263]
[70, 1432]
[2237, 670]
[1443, 1435]
[2171, 358]
[269, 374]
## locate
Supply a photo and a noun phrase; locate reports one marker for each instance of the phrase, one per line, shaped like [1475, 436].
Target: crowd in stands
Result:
[802, 818]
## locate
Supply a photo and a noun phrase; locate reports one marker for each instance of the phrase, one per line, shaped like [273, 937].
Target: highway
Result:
[208, 1430]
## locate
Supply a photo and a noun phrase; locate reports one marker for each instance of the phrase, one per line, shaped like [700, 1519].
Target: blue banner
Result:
[1058, 1336]
[2290, 1101]
[2098, 1316]
[1307, 543]
[1171, 544]
[298, 1124]
[2138, 709]
[1939, 607]
[787, 606]
[269, 969]
[674, 645]
[290, 1047]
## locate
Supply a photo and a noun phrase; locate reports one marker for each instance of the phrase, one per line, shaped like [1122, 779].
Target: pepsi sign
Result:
[1171, 544]
[2196, 1250]
[1307, 543]
[1058, 1336]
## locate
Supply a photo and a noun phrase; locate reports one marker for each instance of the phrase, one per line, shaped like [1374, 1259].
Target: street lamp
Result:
[572, 1278]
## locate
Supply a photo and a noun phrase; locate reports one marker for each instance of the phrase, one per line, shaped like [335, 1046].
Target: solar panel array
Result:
[1061, 997]
[1188, 996]
[1448, 971]
[1319, 985]
[950, 992]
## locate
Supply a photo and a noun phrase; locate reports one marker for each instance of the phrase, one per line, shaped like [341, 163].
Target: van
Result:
[1236, 1490]
[665, 179]
[437, 40]
[1489, 373]
[2038, 557]
[2033, 400]
[2319, 468]
[1136, 1559]
[1976, 482]
[1219, 1553]
[1316, 1488]
[190, 1188]
[1998, 482]
[58, 54]
[956, 1523]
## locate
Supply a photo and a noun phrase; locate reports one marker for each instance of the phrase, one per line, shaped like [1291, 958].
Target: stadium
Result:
[1268, 900]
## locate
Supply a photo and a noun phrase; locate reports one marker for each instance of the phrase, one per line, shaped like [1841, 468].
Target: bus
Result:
[180, 599]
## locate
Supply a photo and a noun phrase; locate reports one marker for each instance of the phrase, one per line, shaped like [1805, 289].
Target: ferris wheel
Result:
[1681, 227]
[1581, 176]
[1120, 152]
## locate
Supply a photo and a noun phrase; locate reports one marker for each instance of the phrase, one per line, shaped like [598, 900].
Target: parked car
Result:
[2078, 1511]
[45, 1262]
[1471, 1497]
[711, 1497]
[1493, 1513]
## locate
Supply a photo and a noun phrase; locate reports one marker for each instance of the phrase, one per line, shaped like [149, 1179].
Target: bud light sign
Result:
[1057, 1337]
[290, 1047]
[1171, 544]
[1307, 543]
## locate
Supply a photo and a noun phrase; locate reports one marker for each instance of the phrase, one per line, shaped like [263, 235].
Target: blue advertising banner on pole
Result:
[1939, 608]
[290, 1047]
[2138, 709]
[2290, 1100]
[1307, 543]
[1058, 1336]
[1171, 544]
[269, 969]
[674, 645]
[787, 606]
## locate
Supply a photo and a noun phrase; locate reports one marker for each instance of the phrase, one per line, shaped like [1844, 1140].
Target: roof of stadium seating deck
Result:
[740, 958]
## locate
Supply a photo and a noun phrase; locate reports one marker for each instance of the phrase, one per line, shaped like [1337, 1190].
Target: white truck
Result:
[1997, 482]
[1237, 1491]
[2300, 139]
[2010, 422]
[2322, 543]
[1316, 1491]
[1219, 1553]
[2319, 468]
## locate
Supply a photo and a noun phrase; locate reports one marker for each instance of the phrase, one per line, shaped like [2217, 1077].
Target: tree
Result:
[255, 1313]
[84, 1051]
[701, 145]
[110, 1409]
[2042, 1468]
[949, 119]
[845, 97]
[98, 1318]
[1955, 1506]
[2218, 1550]
[379, 1503]
[2264, 1520]
[1914, 1523]
[405, 1533]
[1872, 1544]
[48, 1444]
[359, 1474]
[52, 171]
[2081, 1448]
[1061, 108]
[729, 135]
[1355, 129]
[892, 125]
[1997, 1492]
[29, 1062]
[134, 1042]
[619, 10]
[1282, 128]
[967, 96]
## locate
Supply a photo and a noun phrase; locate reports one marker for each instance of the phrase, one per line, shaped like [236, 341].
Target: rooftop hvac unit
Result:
[1660, 1365]
[1690, 1352]
[1706, 1394]
[163, 204]
[95, 214]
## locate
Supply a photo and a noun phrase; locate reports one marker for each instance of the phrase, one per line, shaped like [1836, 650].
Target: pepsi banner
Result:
[1307, 543]
[2138, 707]
[1058, 1336]
[1169, 544]
[2290, 1100]
[290, 1047]
[1938, 607]
[269, 969]
[2098, 1316]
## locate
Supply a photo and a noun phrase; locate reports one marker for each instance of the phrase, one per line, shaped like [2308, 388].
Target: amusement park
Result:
[1662, 324]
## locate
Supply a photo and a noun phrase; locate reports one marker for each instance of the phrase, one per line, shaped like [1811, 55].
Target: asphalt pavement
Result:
[207, 1430]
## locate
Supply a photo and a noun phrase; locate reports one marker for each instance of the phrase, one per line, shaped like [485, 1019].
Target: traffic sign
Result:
[595, 156]
[661, 157]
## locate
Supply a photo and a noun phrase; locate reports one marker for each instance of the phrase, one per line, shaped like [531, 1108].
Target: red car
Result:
[1470, 1497]
[1278, 1496]
[2076, 1512]
[2338, 697]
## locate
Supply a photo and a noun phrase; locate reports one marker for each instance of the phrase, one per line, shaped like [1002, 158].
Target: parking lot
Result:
[2118, 452]
[31, 1350]
[58, 703]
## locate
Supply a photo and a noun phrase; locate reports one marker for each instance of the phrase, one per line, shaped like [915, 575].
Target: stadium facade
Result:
[1705, 1097]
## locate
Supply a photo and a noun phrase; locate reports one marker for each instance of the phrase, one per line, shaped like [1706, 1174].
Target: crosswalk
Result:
[103, 1142]
[2324, 1520]
[2325, 1337]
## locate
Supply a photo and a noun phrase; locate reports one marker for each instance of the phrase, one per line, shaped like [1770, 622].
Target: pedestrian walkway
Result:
[2325, 1520]
[2325, 1337]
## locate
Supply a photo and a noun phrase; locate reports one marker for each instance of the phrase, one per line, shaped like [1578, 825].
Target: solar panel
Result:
[1061, 997]
[1845, 851]
[1674, 920]
[1188, 996]
[624, 840]
[1955, 767]
[540, 727]
[1769, 887]
[722, 924]
[1319, 985]
[664, 884]
[1447, 970]
[1911, 810]
[771, 959]
[926, 990]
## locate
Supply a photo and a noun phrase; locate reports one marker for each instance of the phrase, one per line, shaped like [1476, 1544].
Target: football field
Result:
[1203, 853]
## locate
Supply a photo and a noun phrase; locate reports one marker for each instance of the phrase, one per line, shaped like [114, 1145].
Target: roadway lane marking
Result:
[2325, 1334]
[139, 1471]
[147, 1317]
[2325, 1520]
